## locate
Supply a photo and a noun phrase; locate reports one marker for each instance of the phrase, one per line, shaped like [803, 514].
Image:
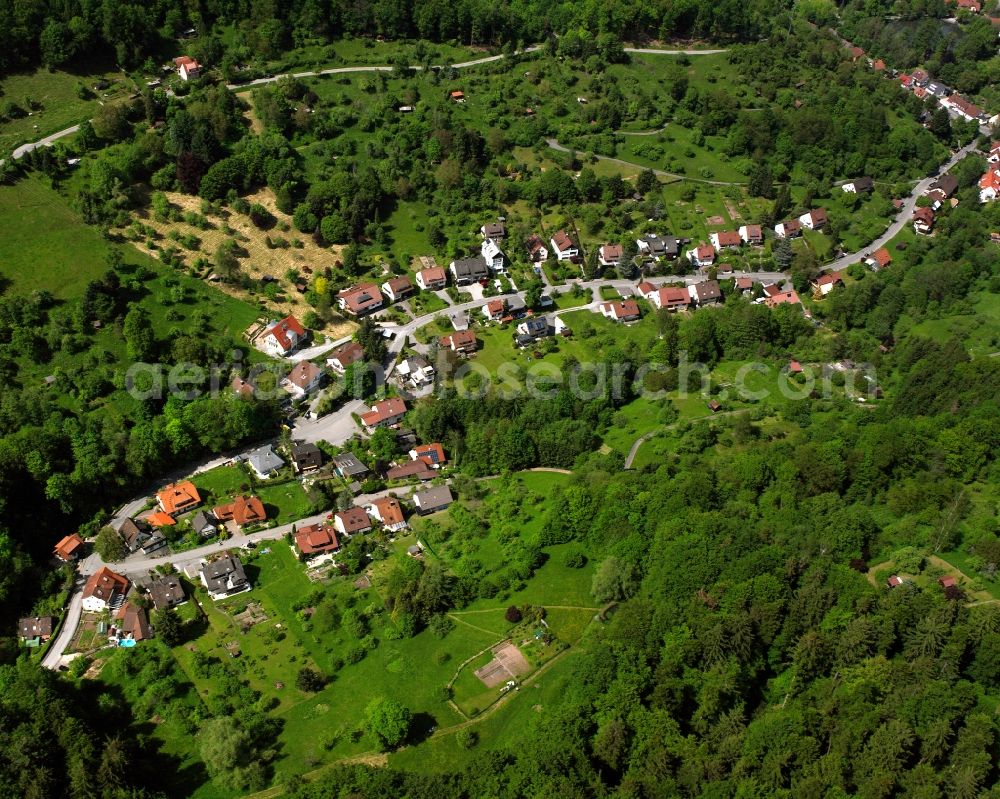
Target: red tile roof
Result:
[389, 510]
[729, 238]
[386, 409]
[68, 546]
[460, 341]
[349, 353]
[562, 240]
[882, 257]
[431, 454]
[316, 538]
[782, 298]
[283, 327]
[354, 520]
[435, 274]
[303, 374]
[178, 497]
[161, 519]
[104, 584]
[623, 309]
[242, 510]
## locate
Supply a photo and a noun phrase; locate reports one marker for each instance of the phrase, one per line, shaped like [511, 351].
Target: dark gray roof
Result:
[306, 454]
[348, 465]
[474, 267]
[863, 184]
[536, 326]
[203, 519]
[167, 592]
[224, 575]
[436, 497]
[947, 183]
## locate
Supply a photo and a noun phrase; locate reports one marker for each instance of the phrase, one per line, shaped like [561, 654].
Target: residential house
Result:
[994, 154]
[532, 328]
[282, 337]
[673, 298]
[178, 498]
[167, 592]
[621, 310]
[826, 283]
[772, 289]
[743, 284]
[303, 379]
[432, 500]
[493, 255]
[963, 108]
[385, 413]
[69, 548]
[306, 457]
[494, 310]
[317, 539]
[416, 371]
[137, 535]
[879, 259]
[32, 627]
[856, 52]
[863, 185]
[243, 388]
[654, 246]
[224, 577]
[878, 65]
[161, 519]
[923, 220]
[364, 298]
[973, 6]
[242, 511]
[938, 89]
[536, 248]
[398, 288]
[946, 184]
[349, 467]
[726, 239]
[130, 624]
[752, 234]
[352, 521]
[410, 469]
[794, 367]
[645, 288]
[431, 454]
[814, 219]
[457, 96]
[345, 355]
[989, 186]
[187, 67]
[609, 255]
[105, 589]
[789, 229]
[563, 246]
[432, 279]
[782, 297]
[264, 461]
[707, 292]
[463, 341]
[702, 255]
[205, 524]
[469, 270]
[387, 512]
[494, 230]
[920, 77]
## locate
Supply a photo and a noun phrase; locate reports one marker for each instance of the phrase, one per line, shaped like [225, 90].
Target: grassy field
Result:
[978, 327]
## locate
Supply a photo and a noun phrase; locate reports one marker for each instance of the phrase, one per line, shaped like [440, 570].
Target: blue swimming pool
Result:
[126, 642]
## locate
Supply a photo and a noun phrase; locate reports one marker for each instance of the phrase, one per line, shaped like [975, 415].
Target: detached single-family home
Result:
[243, 388]
[789, 229]
[187, 67]
[364, 298]
[879, 259]
[352, 521]
[782, 297]
[920, 77]
[224, 577]
[994, 154]
[989, 186]
[432, 279]
[621, 310]
[416, 371]
[167, 592]
[863, 185]
[702, 255]
[563, 246]
[469, 270]
[282, 337]
[397, 288]
[743, 284]
[532, 328]
[409, 470]
[673, 298]
[32, 627]
[306, 457]
[923, 220]
[609, 254]
[726, 239]
[493, 255]
[814, 219]
[241, 511]
[345, 355]
[69, 548]
[387, 512]
[105, 589]
[138, 535]
[432, 500]
[537, 251]
[938, 89]
[303, 379]
[947, 185]
[494, 230]
[707, 292]
[178, 498]
[973, 6]
[752, 234]
[654, 246]
[315, 539]
[204, 524]
[264, 461]
[130, 624]
[826, 283]
[349, 467]
[494, 309]
[431, 454]
[385, 413]
[457, 96]
[464, 341]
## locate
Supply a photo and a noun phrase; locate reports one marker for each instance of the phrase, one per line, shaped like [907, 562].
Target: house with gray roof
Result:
[224, 577]
[432, 500]
[205, 524]
[469, 270]
[265, 461]
[167, 592]
[348, 466]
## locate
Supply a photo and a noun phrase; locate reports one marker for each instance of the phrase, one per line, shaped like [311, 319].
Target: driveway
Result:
[54, 655]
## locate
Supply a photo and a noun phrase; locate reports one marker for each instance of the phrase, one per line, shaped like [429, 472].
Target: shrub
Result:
[513, 614]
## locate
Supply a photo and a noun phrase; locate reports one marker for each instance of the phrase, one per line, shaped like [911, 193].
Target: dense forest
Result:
[56, 33]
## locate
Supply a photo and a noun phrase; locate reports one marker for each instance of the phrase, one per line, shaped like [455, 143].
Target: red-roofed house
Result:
[563, 246]
[826, 283]
[856, 52]
[460, 341]
[360, 299]
[923, 220]
[621, 310]
[961, 106]
[495, 309]
[879, 259]
[388, 512]
[398, 288]
[178, 498]
[283, 336]
[814, 219]
[345, 355]
[315, 539]
[432, 279]
[727, 239]
[610, 254]
[352, 521]
[104, 589]
[989, 186]
[69, 548]
[878, 65]
[788, 229]
[431, 454]
[383, 414]
[242, 510]
[670, 297]
[702, 255]
[794, 367]
[970, 5]
[788, 297]
[537, 251]
[644, 289]
[187, 67]
[752, 234]
[304, 378]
